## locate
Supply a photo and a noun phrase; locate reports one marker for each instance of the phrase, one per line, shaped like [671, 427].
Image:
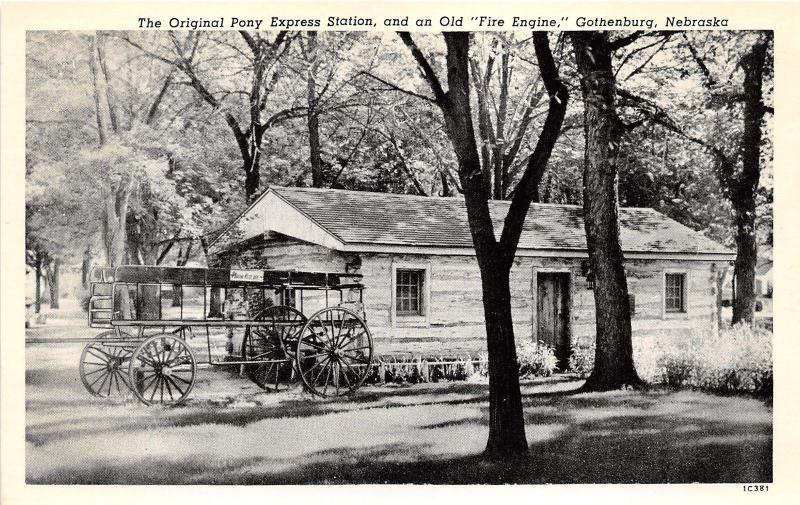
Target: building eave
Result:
[529, 252]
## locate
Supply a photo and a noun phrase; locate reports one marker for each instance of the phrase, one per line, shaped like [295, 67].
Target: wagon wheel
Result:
[104, 361]
[285, 322]
[334, 352]
[269, 345]
[162, 370]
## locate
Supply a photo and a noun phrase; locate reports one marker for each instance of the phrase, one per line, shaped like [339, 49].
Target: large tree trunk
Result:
[252, 178]
[744, 269]
[114, 238]
[614, 366]
[745, 186]
[506, 422]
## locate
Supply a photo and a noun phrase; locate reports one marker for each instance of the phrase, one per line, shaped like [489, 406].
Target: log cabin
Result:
[422, 284]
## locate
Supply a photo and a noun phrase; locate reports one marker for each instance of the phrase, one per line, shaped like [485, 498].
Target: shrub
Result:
[737, 360]
[482, 368]
[581, 360]
[536, 359]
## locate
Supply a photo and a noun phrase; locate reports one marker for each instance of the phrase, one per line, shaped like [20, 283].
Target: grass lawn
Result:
[230, 432]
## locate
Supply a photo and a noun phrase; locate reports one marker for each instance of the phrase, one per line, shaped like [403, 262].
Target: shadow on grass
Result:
[621, 451]
[661, 436]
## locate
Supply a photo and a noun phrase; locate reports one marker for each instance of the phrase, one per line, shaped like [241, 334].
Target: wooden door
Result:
[552, 309]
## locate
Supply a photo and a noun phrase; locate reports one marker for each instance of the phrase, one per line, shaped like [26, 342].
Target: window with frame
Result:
[675, 293]
[409, 292]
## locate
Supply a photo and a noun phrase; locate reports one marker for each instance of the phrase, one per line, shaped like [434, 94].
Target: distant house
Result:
[423, 289]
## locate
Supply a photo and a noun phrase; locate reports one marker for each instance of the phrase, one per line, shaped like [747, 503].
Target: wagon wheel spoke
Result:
[110, 382]
[315, 345]
[154, 385]
[310, 370]
[169, 390]
[144, 360]
[103, 383]
[349, 384]
[318, 363]
[339, 333]
[95, 364]
[124, 380]
[113, 382]
[103, 356]
[97, 380]
[168, 357]
[332, 334]
[120, 381]
[177, 361]
[350, 369]
[353, 338]
[175, 385]
[326, 371]
[322, 371]
[327, 380]
[181, 379]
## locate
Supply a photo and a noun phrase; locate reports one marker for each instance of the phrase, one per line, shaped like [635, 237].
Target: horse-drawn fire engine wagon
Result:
[150, 315]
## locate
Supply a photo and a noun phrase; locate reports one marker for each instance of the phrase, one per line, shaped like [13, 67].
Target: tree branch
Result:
[151, 112]
[427, 71]
[626, 40]
[251, 42]
[709, 79]
[528, 187]
[396, 87]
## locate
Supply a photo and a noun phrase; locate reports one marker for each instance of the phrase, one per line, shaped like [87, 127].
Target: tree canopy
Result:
[202, 122]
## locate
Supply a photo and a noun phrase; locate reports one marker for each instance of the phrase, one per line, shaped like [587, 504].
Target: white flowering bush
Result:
[581, 360]
[738, 359]
[536, 359]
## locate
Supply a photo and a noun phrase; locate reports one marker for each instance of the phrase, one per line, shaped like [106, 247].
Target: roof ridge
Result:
[430, 198]
[359, 192]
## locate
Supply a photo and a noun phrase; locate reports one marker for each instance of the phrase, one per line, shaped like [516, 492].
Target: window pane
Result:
[674, 294]
[408, 292]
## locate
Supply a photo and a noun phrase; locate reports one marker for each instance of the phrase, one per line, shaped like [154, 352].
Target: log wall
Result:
[453, 320]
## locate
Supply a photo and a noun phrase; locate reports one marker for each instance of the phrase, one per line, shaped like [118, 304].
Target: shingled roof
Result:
[357, 217]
